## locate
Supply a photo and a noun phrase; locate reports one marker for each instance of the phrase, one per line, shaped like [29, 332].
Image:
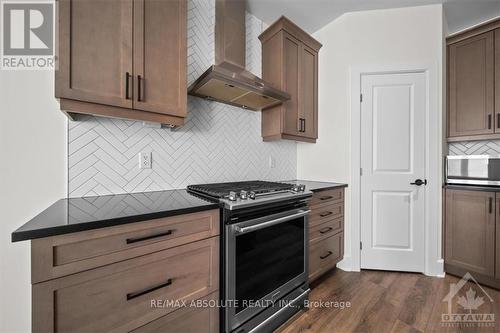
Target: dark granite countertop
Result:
[78, 214]
[317, 186]
[487, 188]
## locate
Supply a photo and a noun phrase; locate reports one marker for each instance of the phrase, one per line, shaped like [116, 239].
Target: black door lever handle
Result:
[419, 182]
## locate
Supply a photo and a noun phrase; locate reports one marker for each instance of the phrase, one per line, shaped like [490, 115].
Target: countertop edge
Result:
[333, 187]
[18, 236]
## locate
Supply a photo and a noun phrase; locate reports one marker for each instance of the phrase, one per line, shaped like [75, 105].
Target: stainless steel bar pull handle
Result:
[266, 224]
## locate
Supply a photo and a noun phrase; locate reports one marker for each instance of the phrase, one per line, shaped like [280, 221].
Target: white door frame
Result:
[433, 164]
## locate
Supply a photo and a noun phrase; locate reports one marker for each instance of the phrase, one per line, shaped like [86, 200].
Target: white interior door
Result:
[392, 157]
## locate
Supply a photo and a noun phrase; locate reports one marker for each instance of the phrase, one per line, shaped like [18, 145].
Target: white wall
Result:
[32, 176]
[381, 37]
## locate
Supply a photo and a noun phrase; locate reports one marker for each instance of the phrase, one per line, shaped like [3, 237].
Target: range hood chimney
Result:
[227, 81]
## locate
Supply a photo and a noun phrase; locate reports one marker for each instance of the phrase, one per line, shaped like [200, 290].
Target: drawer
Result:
[330, 196]
[62, 255]
[118, 297]
[327, 229]
[198, 319]
[325, 212]
[323, 255]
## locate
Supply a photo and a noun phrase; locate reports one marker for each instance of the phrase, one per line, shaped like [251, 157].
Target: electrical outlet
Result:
[145, 160]
[272, 162]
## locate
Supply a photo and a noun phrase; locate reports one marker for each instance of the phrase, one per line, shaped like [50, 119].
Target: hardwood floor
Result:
[391, 302]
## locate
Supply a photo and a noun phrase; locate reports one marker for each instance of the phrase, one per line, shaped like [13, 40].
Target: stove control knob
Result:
[232, 196]
[302, 187]
[243, 195]
[296, 188]
[251, 195]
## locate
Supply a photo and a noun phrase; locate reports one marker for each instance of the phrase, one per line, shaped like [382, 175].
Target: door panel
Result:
[95, 51]
[471, 86]
[292, 49]
[470, 231]
[392, 156]
[309, 89]
[392, 220]
[160, 56]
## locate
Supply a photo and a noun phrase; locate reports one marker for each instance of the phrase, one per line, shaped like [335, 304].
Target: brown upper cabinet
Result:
[123, 59]
[474, 84]
[290, 63]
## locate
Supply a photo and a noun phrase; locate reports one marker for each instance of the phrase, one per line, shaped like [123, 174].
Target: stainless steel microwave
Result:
[473, 170]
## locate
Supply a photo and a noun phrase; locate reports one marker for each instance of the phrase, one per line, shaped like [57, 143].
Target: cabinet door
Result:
[309, 92]
[497, 80]
[470, 231]
[199, 319]
[95, 51]
[497, 242]
[292, 50]
[471, 86]
[160, 56]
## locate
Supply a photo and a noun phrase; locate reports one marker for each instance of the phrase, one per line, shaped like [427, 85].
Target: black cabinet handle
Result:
[304, 126]
[139, 88]
[489, 121]
[148, 290]
[498, 120]
[140, 239]
[326, 255]
[325, 230]
[328, 197]
[325, 214]
[127, 85]
[490, 208]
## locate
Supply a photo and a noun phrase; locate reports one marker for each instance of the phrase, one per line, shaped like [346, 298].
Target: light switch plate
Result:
[145, 160]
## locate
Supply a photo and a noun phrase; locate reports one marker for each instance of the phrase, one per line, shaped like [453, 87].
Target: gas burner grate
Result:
[221, 190]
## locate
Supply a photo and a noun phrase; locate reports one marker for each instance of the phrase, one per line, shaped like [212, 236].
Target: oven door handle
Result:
[242, 230]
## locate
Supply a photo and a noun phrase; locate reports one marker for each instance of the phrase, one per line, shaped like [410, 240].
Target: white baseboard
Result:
[346, 265]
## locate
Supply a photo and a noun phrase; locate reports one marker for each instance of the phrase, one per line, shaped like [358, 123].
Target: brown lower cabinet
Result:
[472, 234]
[326, 231]
[109, 294]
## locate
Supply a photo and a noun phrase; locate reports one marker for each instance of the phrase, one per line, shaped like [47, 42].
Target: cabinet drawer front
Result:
[323, 213]
[67, 254]
[327, 229]
[324, 254]
[327, 196]
[119, 297]
[199, 319]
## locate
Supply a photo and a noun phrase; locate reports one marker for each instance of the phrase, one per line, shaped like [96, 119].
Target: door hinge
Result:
[361, 171]
[361, 97]
[361, 245]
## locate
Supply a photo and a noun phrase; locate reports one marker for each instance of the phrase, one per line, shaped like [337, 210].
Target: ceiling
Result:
[312, 15]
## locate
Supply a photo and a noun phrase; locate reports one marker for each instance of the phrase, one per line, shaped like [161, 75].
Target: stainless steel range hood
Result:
[228, 81]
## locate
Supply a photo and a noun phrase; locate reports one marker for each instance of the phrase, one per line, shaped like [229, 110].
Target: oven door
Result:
[266, 258]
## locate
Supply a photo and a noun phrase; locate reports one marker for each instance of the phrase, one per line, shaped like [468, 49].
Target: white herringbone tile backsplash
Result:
[217, 143]
[487, 147]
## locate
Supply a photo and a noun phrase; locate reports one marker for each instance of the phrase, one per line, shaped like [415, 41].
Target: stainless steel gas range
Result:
[264, 256]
